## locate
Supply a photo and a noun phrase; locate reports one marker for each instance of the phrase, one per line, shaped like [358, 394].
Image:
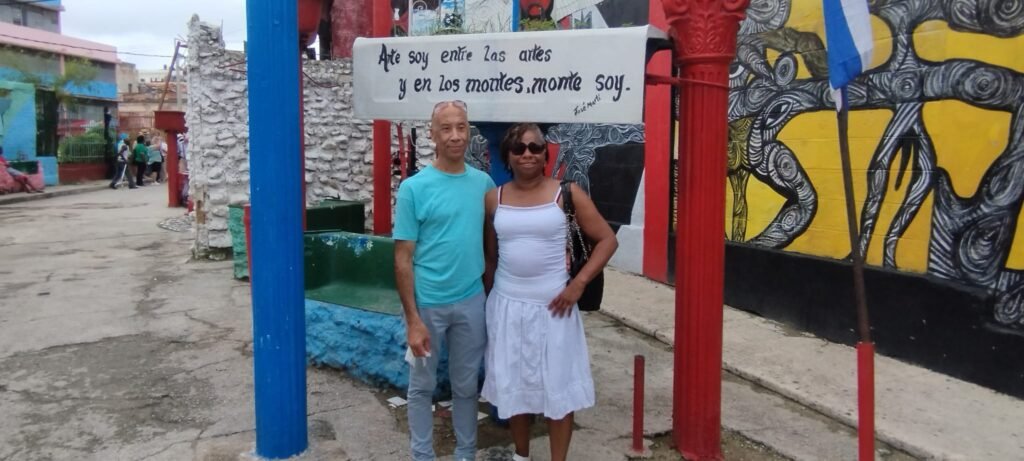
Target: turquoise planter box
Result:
[239, 256]
[50, 173]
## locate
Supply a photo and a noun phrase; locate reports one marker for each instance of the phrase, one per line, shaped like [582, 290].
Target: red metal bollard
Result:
[866, 400]
[638, 404]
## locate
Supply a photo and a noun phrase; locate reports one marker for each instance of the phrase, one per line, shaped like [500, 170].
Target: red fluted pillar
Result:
[704, 32]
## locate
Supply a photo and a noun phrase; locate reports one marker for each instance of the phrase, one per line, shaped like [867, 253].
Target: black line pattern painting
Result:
[476, 152]
[971, 237]
[578, 144]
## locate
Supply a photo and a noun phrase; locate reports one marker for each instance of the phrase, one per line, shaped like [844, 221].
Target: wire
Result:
[316, 83]
[86, 48]
[26, 2]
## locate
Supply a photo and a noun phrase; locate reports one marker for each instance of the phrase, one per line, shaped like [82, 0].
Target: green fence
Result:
[81, 152]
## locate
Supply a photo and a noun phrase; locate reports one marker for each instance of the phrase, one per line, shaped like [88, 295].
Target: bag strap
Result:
[567, 205]
[573, 230]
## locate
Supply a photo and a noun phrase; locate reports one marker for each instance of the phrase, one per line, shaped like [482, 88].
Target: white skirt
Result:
[536, 363]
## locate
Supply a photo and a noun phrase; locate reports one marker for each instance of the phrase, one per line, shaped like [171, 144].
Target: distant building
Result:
[127, 77]
[41, 15]
[160, 75]
[140, 93]
[34, 52]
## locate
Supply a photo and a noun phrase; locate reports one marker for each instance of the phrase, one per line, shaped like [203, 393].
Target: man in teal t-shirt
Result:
[439, 265]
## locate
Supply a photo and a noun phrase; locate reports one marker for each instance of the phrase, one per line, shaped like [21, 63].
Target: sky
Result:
[149, 26]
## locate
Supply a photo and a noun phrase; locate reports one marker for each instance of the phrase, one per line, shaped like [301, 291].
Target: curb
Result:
[836, 416]
[45, 195]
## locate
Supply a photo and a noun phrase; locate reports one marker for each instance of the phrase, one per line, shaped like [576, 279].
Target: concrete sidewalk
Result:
[54, 191]
[927, 414]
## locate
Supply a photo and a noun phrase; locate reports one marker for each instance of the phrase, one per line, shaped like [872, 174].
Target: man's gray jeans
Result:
[462, 327]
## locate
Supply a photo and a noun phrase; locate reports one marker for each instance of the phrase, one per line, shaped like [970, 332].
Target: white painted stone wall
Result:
[217, 120]
[339, 148]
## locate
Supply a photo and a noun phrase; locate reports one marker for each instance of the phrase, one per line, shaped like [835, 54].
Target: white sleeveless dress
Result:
[536, 363]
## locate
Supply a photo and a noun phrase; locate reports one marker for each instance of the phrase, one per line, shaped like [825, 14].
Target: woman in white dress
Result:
[536, 358]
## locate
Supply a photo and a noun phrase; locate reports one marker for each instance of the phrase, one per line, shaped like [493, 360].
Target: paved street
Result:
[114, 345]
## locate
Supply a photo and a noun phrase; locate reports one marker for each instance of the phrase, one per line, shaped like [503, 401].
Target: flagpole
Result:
[863, 325]
[865, 348]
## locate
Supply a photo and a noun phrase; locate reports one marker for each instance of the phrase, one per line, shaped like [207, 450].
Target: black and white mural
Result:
[971, 237]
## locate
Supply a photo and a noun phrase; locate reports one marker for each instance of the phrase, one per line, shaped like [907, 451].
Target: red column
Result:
[349, 21]
[381, 138]
[657, 159]
[173, 181]
[704, 32]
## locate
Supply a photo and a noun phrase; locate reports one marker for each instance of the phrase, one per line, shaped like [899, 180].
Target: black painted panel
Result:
[615, 179]
[941, 325]
[624, 13]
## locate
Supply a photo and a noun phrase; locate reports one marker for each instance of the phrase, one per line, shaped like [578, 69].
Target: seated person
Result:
[18, 176]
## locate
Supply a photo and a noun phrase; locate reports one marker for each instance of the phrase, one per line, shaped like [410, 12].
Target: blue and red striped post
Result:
[278, 317]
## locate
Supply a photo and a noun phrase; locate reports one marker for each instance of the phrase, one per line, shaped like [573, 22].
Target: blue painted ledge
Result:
[368, 345]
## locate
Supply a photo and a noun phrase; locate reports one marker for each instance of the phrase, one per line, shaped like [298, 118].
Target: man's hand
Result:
[418, 338]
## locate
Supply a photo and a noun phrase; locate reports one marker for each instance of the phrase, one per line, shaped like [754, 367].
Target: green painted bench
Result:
[336, 215]
[327, 215]
[350, 269]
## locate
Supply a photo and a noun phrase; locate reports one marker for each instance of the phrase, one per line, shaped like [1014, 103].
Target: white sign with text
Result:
[580, 76]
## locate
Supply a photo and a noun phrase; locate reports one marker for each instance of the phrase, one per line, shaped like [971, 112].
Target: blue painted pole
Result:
[279, 333]
[516, 11]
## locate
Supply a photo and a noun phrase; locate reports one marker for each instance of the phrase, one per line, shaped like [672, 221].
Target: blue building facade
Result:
[34, 55]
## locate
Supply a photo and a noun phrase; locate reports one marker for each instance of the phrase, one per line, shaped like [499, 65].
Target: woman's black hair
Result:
[512, 137]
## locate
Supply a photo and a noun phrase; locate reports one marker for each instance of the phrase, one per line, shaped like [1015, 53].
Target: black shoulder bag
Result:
[579, 250]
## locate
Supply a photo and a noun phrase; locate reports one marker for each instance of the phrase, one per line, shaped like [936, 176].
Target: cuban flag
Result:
[848, 41]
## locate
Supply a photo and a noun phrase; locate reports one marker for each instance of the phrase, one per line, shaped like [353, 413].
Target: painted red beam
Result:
[173, 172]
[381, 138]
[704, 33]
[657, 159]
[172, 123]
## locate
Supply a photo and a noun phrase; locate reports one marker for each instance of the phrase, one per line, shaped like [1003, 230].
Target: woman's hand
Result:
[562, 305]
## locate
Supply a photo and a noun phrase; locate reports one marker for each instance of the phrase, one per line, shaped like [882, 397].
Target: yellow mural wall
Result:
[966, 139]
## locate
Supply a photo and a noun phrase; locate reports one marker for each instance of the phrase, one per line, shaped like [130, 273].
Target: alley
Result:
[115, 346]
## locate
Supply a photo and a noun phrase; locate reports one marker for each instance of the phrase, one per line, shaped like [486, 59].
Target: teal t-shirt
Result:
[444, 214]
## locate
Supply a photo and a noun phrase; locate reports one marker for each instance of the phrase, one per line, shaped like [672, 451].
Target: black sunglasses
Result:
[535, 149]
